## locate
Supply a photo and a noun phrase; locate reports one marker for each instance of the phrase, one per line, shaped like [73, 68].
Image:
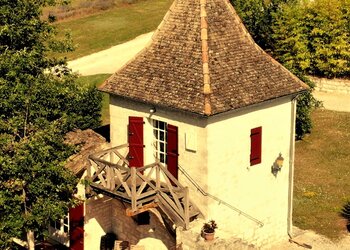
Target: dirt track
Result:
[316, 241]
[110, 60]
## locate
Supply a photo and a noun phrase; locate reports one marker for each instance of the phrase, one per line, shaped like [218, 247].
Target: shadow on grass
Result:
[345, 213]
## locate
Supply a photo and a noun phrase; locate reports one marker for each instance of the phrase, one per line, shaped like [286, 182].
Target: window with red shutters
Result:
[135, 140]
[255, 146]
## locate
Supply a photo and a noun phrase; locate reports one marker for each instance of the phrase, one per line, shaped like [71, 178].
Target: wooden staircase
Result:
[150, 186]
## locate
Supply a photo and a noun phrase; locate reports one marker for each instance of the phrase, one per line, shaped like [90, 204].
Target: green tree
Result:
[39, 102]
[275, 26]
[313, 36]
[258, 16]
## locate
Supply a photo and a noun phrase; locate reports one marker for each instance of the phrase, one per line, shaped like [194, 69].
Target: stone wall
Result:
[332, 85]
[106, 215]
[127, 229]
[97, 221]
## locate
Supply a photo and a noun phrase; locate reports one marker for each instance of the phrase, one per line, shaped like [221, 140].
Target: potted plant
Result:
[208, 230]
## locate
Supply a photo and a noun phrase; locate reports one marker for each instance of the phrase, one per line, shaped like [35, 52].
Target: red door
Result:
[135, 140]
[172, 150]
[76, 228]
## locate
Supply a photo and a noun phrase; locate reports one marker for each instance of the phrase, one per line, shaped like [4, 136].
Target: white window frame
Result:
[160, 140]
[62, 225]
[59, 230]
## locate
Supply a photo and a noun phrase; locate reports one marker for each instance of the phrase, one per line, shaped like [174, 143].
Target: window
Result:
[61, 225]
[255, 146]
[160, 140]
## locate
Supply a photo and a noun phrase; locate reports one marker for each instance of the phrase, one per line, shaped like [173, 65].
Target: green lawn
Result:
[98, 80]
[120, 24]
[322, 174]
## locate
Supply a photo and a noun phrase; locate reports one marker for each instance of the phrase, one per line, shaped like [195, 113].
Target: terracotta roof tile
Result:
[88, 142]
[170, 71]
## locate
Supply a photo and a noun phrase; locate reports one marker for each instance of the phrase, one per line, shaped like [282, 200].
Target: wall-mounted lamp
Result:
[277, 165]
[152, 110]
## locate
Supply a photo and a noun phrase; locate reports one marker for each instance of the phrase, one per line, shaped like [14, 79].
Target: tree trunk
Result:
[30, 240]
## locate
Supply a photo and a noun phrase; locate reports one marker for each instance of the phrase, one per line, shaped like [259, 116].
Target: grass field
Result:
[120, 24]
[322, 174]
[98, 80]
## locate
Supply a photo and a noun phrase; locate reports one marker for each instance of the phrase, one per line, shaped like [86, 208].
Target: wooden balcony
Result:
[146, 187]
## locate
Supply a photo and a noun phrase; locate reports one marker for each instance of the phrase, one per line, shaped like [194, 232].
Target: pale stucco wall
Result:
[252, 189]
[220, 163]
[193, 158]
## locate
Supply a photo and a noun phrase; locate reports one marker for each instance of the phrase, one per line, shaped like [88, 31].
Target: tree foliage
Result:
[258, 16]
[39, 102]
[275, 27]
[313, 36]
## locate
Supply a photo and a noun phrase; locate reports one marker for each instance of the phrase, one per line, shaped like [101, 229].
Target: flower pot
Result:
[209, 236]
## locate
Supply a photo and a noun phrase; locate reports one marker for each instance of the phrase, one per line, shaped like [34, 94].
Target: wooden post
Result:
[30, 240]
[108, 177]
[186, 208]
[133, 189]
[112, 176]
[157, 177]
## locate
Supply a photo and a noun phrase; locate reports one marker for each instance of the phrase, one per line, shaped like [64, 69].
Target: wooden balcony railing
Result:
[144, 188]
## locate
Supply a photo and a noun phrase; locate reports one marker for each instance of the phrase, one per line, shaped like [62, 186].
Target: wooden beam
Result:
[145, 179]
[122, 157]
[170, 212]
[186, 203]
[152, 198]
[99, 169]
[110, 150]
[143, 185]
[175, 198]
[157, 177]
[142, 209]
[148, 193]
[170, 176]
[146, 167]
[108, 163]
[133, 189]
[110, 193]
[170, 203]
[125, 185]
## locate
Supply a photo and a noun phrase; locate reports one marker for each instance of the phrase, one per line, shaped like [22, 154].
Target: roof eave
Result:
[291, 95]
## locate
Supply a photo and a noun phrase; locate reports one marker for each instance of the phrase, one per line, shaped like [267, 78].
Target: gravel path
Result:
[316, 241]
[334, 101]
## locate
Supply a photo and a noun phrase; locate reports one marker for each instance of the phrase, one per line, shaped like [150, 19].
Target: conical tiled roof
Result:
[202, 60]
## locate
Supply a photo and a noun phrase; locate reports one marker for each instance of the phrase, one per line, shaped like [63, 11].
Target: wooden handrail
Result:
[131, 183]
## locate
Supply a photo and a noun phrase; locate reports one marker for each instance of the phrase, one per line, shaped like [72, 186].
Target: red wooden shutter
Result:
[255, 146]
[135, 140]
[172, 150]
[76, 228]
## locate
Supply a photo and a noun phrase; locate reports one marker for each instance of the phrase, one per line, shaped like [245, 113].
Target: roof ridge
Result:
[205, 58]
